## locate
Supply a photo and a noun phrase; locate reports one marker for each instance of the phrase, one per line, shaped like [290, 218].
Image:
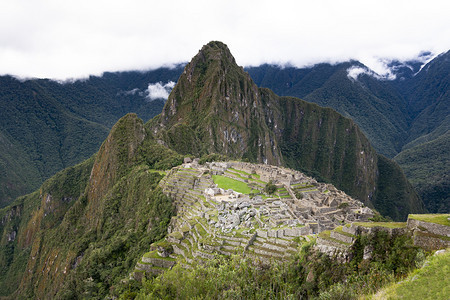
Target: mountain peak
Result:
[216, 50]
[213, 107]
[203, 80]
[199, 80]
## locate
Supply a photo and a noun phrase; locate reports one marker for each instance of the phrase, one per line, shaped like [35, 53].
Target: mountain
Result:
[408, 113]
[425, 158]
[84, 230]
[217, 108]
[374, 105]
[88, 223]
[46, 126]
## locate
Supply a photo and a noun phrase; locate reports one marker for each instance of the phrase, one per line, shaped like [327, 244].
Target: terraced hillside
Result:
[429, 232]
[224, 208]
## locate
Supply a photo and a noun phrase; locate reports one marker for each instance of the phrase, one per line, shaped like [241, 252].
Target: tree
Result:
[270, 188]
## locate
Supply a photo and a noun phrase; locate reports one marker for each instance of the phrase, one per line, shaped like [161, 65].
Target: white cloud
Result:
[354, 71]
[132, 92]
[159, 91]
[83, 37]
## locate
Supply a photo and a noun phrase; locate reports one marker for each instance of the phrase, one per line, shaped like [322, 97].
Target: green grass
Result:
[236, 175]
[339, 230]
[177, 235]
[259, 181]
[158, 171]
[441, 219]
[326, 236]
[229, 183]
[432, 235]
[302, 186]
[239, 171]
[429, 282]
[382, 224]
[309, 190]
[245, 173]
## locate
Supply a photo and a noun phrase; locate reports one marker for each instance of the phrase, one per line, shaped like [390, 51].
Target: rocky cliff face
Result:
[216, 107]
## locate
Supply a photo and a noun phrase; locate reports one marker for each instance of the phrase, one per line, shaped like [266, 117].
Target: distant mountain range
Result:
[82, 232]
[46, 126]
[407, 118]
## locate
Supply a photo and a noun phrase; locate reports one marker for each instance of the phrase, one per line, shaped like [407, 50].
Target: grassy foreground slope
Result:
[432, 281]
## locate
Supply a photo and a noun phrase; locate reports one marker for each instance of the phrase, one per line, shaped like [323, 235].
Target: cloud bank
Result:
[159, 91]
[87, 37]
[354, 71]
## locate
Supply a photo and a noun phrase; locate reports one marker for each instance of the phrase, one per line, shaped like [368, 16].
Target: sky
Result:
[74, 39]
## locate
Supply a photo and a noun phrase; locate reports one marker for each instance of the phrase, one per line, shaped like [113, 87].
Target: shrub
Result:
[343, 205]
[270, 188]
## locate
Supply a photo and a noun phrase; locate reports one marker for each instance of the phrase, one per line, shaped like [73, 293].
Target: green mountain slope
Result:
[425, 158]
[374, 105]
[17, 172]
[427, 164]
[53, 125]
[85, 228]
[216, 107]
[395, 115]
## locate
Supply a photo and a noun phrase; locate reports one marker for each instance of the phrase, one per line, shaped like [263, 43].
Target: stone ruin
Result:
[211, 220]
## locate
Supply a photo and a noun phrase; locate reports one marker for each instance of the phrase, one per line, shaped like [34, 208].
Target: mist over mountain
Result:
[83, 231]
[217, 108]
[408, 112]
[47, 125]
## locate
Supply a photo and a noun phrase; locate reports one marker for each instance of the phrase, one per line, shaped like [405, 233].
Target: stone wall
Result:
[429, 236]
[159, 262]
[341, 237]
[443, 230]
[429, 242]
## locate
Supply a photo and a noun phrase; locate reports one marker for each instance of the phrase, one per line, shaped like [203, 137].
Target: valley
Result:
[232, 190]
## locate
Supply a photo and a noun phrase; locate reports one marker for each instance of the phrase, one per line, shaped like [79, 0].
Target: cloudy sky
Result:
[72, 39]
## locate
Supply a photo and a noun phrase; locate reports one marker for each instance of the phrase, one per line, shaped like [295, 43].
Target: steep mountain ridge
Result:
[374, 105]
[425, 157]
[406, 118]
[87, 226]
[105, 209]
[216, 107]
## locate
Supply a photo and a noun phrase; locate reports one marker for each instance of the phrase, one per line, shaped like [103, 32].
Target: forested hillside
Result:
[46, 126]
[84, 230]
[406, 118]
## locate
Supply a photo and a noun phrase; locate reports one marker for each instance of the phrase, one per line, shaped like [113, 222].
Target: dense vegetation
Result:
[427, 167]
[217, 108]
[309, 274]
[46, 126]
[407, 117]
[372, 104]
[430, 282]
[88, 225]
